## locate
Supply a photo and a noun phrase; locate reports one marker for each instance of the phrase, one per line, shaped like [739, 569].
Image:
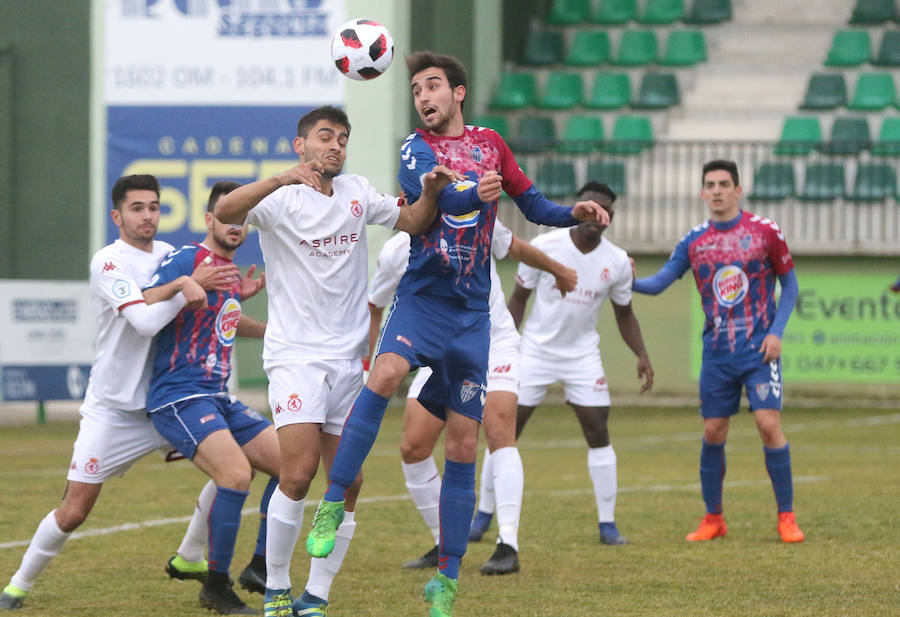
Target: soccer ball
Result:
[362, 49]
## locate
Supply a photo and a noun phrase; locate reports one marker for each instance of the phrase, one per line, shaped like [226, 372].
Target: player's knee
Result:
[295, 483]
[463, 448]
[236, 476]
[70, 516]
[413, 452]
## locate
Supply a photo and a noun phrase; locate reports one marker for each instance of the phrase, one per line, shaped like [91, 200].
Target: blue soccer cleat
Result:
[277, 603]
[610, 535]
[480, 524]
[309, 605]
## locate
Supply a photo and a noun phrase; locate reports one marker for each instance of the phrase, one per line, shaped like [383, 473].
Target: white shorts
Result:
[503, 369]
[584, 382]
[314, 391]
[109, 442]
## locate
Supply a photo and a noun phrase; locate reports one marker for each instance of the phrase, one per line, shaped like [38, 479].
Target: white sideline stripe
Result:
[653, 488]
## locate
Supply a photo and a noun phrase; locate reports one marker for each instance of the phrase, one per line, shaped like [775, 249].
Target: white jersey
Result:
[566, 327]
[120, 372]
[314, 246]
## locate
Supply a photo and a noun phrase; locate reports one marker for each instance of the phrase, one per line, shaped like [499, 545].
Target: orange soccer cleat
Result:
[787, 528]
[713, 526]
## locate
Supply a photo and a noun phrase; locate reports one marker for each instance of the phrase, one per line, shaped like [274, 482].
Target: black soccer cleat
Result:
[12, 598]
[253, 578]
[217, 595]
[428, 560]
[505, 560]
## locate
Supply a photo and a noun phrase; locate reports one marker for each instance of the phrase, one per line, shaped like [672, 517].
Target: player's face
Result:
[138, 218]
[228, 237]
[437, 104]
[721, 195]
[327, 143]
[594, 229]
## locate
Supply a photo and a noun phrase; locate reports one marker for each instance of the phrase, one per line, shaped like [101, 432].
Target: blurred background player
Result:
[735, 257]
[440, 314]
[190, 405]
[422, 429]
[114, 432]
[312, 226]
[559, 340]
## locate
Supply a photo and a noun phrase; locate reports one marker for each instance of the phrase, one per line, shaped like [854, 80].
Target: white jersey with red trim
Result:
[120, 372]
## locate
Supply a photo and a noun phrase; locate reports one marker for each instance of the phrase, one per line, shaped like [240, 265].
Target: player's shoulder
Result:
[696, 232]
[755, 220]
[614, 251]
[483, 132]
[554, 236]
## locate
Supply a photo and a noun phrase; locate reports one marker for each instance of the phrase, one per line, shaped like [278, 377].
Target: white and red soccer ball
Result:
[362, 49]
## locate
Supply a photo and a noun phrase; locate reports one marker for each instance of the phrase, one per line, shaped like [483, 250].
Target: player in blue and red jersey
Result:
[440, 313]
[736, 257]
[190, 405]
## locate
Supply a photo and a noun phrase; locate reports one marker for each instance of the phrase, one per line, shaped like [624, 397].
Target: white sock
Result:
[193, 545]
[323, 571]
[424, 484]
[283, 522]
[45, 544]
[486, 490]
[509, 481]
[602, 467]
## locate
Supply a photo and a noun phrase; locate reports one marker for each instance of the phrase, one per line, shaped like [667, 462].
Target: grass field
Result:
[846, 480]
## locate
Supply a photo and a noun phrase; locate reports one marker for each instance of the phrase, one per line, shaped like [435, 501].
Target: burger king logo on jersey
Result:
[730, 284]
[227, 321]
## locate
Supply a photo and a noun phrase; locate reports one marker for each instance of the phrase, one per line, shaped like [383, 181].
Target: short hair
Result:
[724, 165]
[136, 182]
[455, 71]
[325, 112]
[222, 187]
[593, 186]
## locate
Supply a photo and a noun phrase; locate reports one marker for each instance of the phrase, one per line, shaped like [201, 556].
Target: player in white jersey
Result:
[312, 229]
[502, 474]
[559, 340]
[114, 431]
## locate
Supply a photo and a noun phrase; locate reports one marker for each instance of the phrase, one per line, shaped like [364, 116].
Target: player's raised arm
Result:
[528, 254]
[234, 206]
[671, 271]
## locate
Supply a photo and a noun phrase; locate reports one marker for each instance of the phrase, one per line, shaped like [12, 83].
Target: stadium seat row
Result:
[874, 92]
[801, 135]
[775, 181]
[854, 47]
[873, 12]
[593, 48]
[565, 90]
[614, 12]
[557, 178]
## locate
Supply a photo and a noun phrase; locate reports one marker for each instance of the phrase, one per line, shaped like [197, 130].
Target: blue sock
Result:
[357, 439]
[457, 503]
[263, 509]
[224, 521]
[712, 474]
[778, 464]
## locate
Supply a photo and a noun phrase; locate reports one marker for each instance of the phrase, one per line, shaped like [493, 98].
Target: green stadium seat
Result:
[563, 91]
[824, 182]
[610, 91]
[684, 48]
[849, 48]
[889, 49]
[611, 173]
[632, 134]
[516, 91]
[542, 48]
[874, 91]
[799, 135]
[657, 91]
[872, 11]
[848, 136]
[614, 12]
[773, 182]
[536, 134]
[589, 48]
[582, 134]
[708, 12]
[636, 48]
[874, 182]
[491, 121]
[661, 11]
[555, 178]
[825, 91]
[888, 143]
[569, 12]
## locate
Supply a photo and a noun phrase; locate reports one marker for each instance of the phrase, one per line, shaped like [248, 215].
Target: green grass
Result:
[845, 464]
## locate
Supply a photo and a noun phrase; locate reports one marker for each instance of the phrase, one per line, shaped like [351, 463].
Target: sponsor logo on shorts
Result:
[92, 467]
[252, 413]
[404, 340]
[356, 208]
[775, 379]
[762, 391]
[730, 285]
[227, 321]
[73, 466]
[469, 389]
[503, 368]
[278, 408]
[294, 403]
[207, 418]
[600, 385]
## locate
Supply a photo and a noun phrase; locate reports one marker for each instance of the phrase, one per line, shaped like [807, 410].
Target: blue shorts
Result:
[721, 383]
[186, 423]
[453, 340]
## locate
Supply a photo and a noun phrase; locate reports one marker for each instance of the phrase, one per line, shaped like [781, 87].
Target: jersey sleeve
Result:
[392, 262]
[501, 241]
[620, 290]
[779, 254]
[175, 264]
[416, 160]
[113, 284]
[266, 213]
[515, 182]
[382, 209]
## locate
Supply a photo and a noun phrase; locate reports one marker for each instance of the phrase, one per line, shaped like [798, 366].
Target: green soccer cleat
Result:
[183, 570]
[12, 598]
[329, 516]
[440, 592]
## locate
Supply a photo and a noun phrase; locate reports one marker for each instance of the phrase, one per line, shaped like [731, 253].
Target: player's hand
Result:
[590, 211]
[490, 187]
[309, 173]
[215, 278]
[251, 286]
[770, 348]
[194, 294]
[439, 177]
[645, 371]
[566, 279]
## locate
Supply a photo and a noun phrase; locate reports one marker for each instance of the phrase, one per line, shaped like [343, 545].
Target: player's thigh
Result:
[344, 381]
[221, 458]
[263, 451]
[300, 447]
[421, 430]
[720, 390]
[255, 435]
[77, 503]
[584, 381]
[500, 409]
[461, 441]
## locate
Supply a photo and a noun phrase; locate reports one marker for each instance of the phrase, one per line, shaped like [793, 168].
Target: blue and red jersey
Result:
[193, 352]
[734, 265]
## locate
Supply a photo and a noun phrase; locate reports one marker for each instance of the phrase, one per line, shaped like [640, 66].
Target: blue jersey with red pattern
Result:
[735, 265]
[193, 352]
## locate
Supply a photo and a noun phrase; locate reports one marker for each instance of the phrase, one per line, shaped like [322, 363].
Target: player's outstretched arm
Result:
[517, 302]
[630, 330]
[418, 217]
[247, 327]
[234, 206]
[530, 255]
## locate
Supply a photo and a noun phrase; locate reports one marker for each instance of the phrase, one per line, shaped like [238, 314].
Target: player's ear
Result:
[738, 190]
[459, 93]
[116, 217]
[210, 220]
[298, 146]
